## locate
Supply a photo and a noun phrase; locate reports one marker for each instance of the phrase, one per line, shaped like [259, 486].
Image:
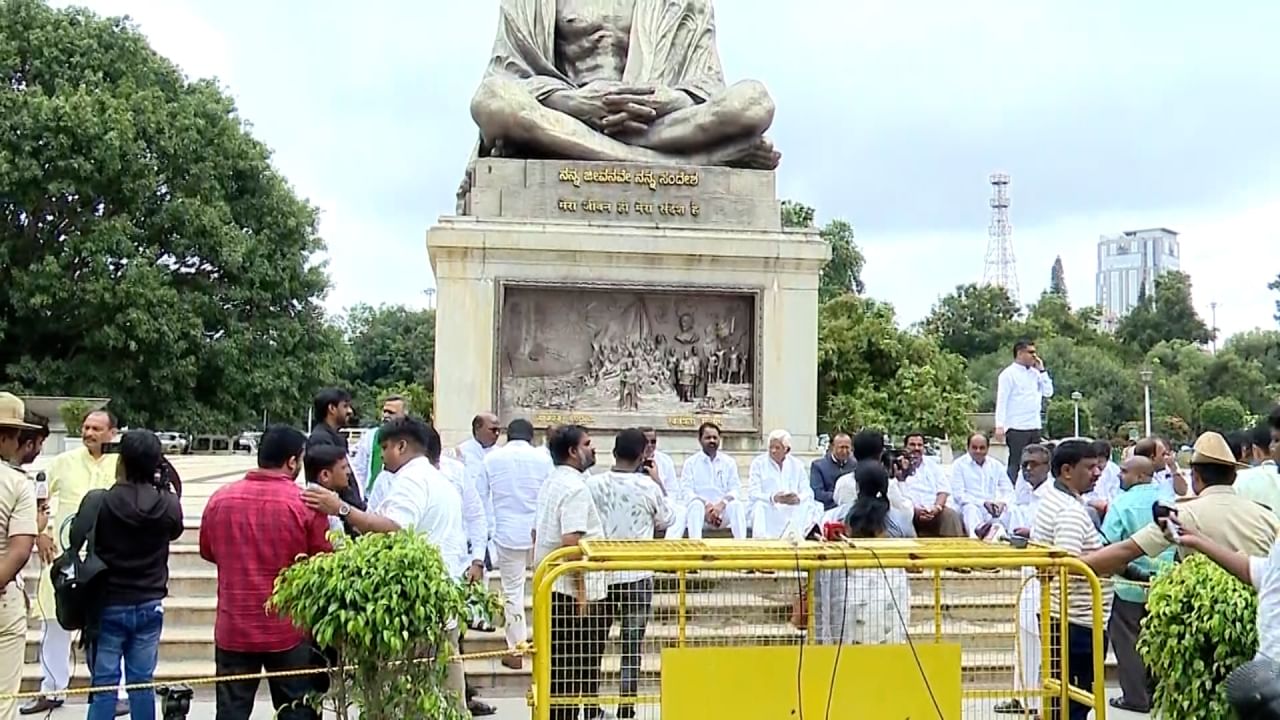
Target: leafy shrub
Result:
[382, 601]
[73, 413]
[1201, 625]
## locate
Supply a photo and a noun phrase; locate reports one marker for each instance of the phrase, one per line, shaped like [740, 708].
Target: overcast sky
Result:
[891, 114]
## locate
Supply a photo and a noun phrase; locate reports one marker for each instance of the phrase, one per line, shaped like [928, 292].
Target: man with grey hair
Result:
[1033, 473]
[366, 460]
[781, 499]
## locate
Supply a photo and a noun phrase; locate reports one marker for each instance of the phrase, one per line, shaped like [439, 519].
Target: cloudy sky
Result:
[1109, 116]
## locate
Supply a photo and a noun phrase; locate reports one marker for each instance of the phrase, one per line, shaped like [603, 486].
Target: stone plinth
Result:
[575, 316]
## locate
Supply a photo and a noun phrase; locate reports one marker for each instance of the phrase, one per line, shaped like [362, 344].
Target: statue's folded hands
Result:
[622, 80]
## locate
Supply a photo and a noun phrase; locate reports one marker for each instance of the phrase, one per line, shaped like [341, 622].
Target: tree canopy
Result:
[1166, 314]
[1058, 278]
[149, 251]
[393, 351]
[973, 320]
[843, 272]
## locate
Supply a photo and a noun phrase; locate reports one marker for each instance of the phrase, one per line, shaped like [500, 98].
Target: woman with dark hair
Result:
[864, 607]
[139, 516]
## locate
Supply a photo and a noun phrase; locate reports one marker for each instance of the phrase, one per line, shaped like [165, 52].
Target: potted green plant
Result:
[382, 602]
[1201, 624]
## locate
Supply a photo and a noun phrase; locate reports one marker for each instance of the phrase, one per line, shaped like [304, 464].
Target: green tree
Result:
[1058, 278]
[138, 211]
[1223, 414]
[973, 320]
[873, 374]
[1060, 418]
[1112, 391]
[1262, 347]
[393, 351]
[843, 272]
[1166, 314]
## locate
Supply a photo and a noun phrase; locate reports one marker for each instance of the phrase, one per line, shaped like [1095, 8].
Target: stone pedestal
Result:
[571, 292]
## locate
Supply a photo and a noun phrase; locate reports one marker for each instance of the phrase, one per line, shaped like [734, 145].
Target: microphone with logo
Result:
[1253, 689]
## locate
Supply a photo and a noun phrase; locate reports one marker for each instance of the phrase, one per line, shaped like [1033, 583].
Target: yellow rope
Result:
[521, 649]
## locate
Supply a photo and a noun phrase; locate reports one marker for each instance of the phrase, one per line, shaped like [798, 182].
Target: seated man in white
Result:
[925, 482]
[982, 486]
[781, 498]
[710, 487]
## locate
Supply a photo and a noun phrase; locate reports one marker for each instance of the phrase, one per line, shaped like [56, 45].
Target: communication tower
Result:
[1000, 266]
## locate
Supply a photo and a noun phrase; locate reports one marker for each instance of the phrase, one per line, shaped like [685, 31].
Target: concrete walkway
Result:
[518, 709]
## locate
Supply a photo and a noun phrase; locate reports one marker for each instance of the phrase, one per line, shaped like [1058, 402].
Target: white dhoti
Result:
[976, 514]
[691, 517]
[772, 520]
[1026, 671]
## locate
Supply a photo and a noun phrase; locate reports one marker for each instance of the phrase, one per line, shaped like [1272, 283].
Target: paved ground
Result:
[518, 709]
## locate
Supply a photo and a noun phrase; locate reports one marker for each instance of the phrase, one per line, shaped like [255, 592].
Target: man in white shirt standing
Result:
[665, 465]
[508, 484]
[566, 516]
[1030, 488]
[484, 438]
[632, 502]
[1261, 483]
[366, 459]
[925, 483]
[1020, 391]
[711, 489]
[416, 495]
[982, 486]
[781, 498]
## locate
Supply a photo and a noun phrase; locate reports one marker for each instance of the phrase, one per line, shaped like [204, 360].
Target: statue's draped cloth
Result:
[672, 44]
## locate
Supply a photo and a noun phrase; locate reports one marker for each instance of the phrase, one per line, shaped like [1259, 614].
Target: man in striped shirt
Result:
[1062, 521]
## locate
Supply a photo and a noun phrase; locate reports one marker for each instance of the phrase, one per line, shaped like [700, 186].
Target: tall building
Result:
[1128, 262]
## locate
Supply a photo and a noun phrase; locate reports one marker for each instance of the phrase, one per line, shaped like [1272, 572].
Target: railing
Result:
[763, 629]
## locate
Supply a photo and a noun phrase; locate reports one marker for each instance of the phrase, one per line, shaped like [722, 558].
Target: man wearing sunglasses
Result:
[1020, 393]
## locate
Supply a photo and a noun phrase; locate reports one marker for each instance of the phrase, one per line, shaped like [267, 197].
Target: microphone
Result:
[42, 487]
[1253, 689]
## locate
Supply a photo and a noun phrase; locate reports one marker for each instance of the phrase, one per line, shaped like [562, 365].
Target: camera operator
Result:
[869, 445]
[140, 516]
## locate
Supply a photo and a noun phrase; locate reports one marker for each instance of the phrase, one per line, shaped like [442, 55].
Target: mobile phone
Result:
[111, 447]
[42, 488]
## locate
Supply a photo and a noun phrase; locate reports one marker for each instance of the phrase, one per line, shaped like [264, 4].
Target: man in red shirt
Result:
[252, 529]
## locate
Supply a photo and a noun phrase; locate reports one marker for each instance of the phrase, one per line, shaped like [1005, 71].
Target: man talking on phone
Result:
[1020, 392]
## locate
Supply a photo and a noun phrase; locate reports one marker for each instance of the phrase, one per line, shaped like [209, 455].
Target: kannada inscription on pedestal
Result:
[615, 357]
[622, 193]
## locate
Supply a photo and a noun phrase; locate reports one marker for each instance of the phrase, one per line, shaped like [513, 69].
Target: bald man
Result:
[1129, 512]
[982, 486]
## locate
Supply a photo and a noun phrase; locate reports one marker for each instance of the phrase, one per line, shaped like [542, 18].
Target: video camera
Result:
[176, 704]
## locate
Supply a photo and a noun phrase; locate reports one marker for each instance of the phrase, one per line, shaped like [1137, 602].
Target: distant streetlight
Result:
[1076, 397]
[1146, 398]
[431, 298]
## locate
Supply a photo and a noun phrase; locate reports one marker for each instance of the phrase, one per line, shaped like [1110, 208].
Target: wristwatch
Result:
[344, 510]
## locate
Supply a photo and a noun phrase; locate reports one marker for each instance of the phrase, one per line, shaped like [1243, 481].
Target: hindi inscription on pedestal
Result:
[621, 356]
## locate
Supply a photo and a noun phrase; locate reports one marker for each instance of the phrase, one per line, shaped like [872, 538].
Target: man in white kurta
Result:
[662, 461]
[926, 484]
[508, 485]
[982, 486]
[711, 490]
[1032, 482]
[782, 503]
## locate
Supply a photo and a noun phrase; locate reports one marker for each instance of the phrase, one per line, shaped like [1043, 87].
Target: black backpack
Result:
[71, 575]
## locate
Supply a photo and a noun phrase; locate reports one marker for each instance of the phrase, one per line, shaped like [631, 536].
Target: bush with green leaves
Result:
[1201, 625]
[73, 413]
[382, 601]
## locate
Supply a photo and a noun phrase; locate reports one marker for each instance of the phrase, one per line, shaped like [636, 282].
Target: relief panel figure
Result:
[606, 353]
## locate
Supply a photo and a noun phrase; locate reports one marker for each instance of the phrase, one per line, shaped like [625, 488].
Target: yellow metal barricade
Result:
[944, 629]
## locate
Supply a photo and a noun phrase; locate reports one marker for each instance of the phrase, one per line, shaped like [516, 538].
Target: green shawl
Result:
[375, 462]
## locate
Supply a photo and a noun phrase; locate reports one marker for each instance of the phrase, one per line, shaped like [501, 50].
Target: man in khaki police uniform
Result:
[18, 527]
[1215, 512]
